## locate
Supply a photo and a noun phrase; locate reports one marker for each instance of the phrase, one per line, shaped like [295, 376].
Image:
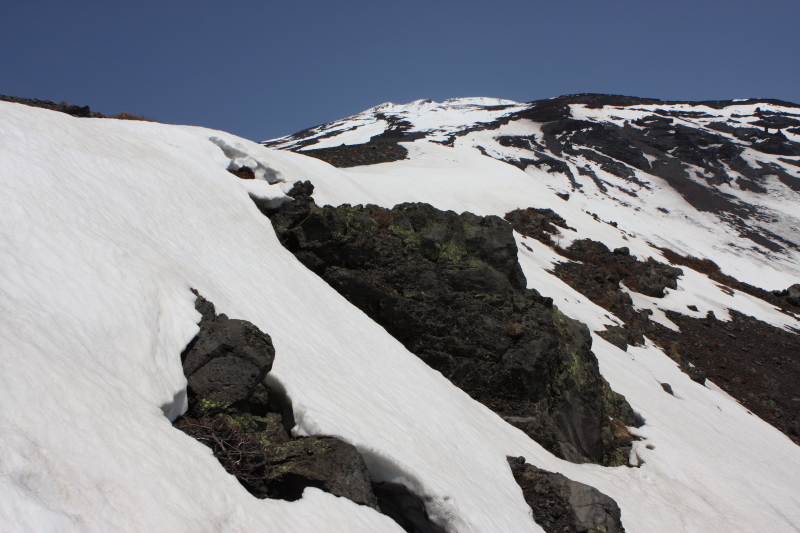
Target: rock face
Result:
[561, 505]
[791, 295]
[233, 412]
[450, 288]
[226, 362]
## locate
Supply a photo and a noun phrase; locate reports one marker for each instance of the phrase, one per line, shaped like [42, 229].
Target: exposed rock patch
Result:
[758, 364]
[539, 224]
[63, 107]
[359, 154]
[245, 173]
[561, 505]
[233, 412]
[597, 272]
[647, 277]
[450, 288]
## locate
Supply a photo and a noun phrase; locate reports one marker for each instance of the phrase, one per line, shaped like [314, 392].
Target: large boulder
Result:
[233, 412]
[226, 361]
[561, 505]
[450, 288]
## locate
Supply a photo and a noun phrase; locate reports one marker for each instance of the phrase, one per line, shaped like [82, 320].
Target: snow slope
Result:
[688, 198]
[105, 227]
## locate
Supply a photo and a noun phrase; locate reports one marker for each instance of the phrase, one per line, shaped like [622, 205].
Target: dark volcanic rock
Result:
[226, 361]
[791, 295]
[450, 288]
[323, 462]
[233, 412]
[561, 505]
[647, 277]
[74, 110]
[537, 223]
[360, 154]
[756, 363]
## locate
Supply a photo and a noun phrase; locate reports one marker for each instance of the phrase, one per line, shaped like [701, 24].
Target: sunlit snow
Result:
[105, 227]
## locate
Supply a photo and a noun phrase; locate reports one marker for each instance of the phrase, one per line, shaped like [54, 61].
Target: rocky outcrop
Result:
[63, 107]
[360, 154]
[561, 505]
[647, 277]
[233, 412]
[539, 224]
[597, 272]
[792, 295]
[226, 363]
[756, 363]
[450, 288]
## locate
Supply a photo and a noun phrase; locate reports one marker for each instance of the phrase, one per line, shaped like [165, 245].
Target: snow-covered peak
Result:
[426, 105]
[420, 118]
[717, 179]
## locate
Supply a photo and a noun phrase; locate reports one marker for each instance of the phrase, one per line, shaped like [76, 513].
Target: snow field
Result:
[105, 227]
[107, 224]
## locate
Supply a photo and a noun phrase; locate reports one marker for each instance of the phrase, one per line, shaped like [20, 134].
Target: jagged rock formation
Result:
[232, 411]
[561, 505]
[597, 272]
[450, 288]
[537, 223]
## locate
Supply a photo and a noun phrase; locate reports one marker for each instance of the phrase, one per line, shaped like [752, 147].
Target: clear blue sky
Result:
[263, 69]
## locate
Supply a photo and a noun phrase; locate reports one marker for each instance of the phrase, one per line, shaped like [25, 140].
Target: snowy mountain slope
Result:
[716, 180]
[107, 225]
[458, 180]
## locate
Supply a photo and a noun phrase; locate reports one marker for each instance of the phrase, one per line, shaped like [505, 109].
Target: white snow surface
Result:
[437, 120]
[106, 225]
